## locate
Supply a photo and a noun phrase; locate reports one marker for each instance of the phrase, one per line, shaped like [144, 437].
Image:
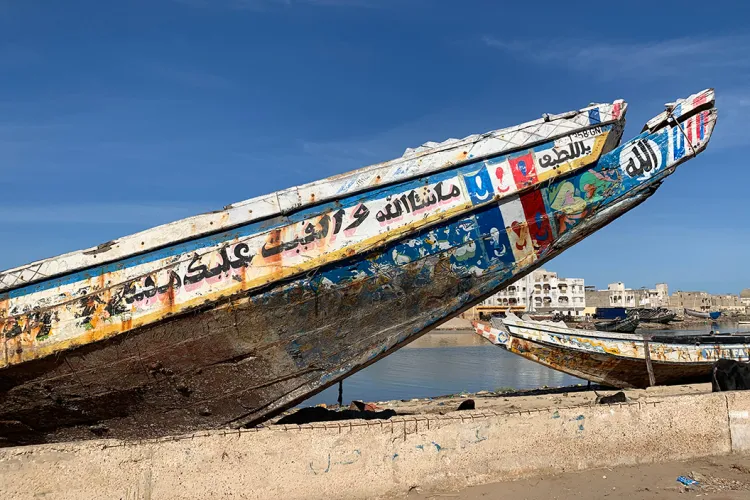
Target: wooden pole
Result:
[647, 353]
[341, 393]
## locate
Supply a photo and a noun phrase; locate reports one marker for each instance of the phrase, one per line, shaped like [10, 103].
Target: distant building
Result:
[616, 295]
[542, 292]
[727, 303]
[745, 297]
[699, 301]
[653, 297]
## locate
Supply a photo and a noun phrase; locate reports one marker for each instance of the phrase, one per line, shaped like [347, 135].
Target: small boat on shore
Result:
[615, 359]
[229, 318]
[700, 314]
[654, 315]
[627, 324]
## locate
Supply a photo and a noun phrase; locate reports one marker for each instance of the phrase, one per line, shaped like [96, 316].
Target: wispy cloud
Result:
[99, 213]
[261, 5]
[640, 60]
[734, 109]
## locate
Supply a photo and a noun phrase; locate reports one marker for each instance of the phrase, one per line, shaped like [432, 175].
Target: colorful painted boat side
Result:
[111, 299]
[426, 160]
[238, 360]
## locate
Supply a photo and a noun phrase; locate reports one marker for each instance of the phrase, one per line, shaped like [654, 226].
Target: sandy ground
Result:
[535, 399]
[721, 478]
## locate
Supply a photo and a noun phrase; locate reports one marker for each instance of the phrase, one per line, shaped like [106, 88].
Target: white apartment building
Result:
[543, 292]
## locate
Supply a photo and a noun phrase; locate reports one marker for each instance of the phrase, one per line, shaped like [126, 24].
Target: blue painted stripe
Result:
[594, 117]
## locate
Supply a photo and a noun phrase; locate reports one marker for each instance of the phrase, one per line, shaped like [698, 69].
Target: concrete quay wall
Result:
[367, 459]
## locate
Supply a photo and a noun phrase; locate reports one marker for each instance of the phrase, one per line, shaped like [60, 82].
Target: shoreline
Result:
[429, 446]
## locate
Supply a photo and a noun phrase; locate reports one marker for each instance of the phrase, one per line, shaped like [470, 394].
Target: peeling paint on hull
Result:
[232, 354]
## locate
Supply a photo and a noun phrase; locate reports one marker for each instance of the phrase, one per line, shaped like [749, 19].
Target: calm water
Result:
[443, 363]
[454, 362]
[729, 327]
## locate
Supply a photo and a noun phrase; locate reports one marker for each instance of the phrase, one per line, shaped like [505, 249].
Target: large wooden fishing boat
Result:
[615, 359]
[228, 318]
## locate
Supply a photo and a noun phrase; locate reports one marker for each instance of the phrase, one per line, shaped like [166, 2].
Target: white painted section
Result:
[517, 230]
[685, 106]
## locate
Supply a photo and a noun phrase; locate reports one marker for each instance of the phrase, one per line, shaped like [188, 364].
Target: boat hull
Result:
[234, 359]
[250, 358]
[627, 325]
[659, 315]
[611, 371]
[714, 315]
[616, 360]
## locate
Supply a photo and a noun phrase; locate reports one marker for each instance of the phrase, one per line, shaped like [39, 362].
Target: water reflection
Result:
[443, 363]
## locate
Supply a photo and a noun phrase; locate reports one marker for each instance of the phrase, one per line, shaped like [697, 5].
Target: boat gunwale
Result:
[652, 339]
[606, 355]
[306, 205]
[378, 241]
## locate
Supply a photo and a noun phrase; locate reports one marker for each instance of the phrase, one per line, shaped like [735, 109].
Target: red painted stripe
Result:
[616, 111]
[537, 220]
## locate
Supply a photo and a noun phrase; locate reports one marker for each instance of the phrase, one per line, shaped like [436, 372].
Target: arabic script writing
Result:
[573, 151]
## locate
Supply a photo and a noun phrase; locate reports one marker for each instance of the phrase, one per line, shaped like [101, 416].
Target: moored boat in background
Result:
[615, 359]
[628, 324]
[700, 314]
[181, 328]
[654, 315]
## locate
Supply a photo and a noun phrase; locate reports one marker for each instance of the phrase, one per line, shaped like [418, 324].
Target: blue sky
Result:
[118, 116]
